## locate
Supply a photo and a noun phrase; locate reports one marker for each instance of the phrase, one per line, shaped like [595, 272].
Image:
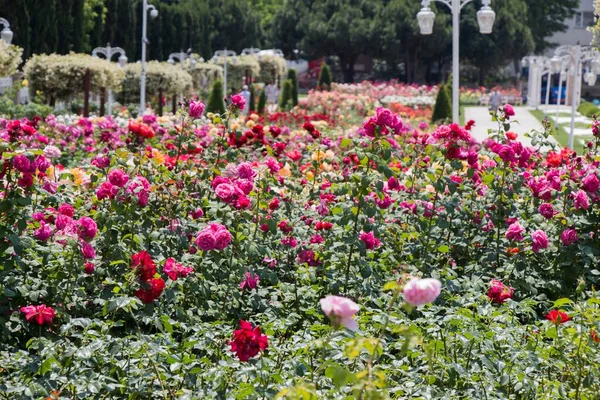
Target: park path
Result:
[526, 122]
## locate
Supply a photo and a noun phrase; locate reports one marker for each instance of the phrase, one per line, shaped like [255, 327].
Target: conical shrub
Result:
[442, 111]
[325, 78]
[252, 105]
[262, 102]
[216, 104]
[293, 77]
[285, 101]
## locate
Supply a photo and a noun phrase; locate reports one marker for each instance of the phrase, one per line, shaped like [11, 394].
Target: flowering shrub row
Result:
[231, 257]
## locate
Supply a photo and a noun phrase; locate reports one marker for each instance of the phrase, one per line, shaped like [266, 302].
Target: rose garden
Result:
[348, 245]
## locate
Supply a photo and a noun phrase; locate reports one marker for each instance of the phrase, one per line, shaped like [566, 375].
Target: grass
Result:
[559, 133]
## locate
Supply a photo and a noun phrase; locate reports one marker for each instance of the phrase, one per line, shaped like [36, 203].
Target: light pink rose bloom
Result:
[582, 201]
[206, 240]
[340, 311]
[223, 238]
[515, 232]
[418, 292]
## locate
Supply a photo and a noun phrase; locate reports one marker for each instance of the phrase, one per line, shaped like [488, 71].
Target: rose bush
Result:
[217, 257]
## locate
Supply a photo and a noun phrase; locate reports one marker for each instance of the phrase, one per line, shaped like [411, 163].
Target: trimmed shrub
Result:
[262, 102]
[272, 68]
[216, 104]
[294, 79]
[442, 111]
[325, 78]
[588, 109]
[285, 101]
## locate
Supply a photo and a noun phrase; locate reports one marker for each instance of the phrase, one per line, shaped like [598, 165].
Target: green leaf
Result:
[443, 249]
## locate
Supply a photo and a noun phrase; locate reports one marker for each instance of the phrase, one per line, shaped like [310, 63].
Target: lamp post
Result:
[181, 57]
[224, 54]
[6, 34]
[153, 14]
[108, 52]
[485, 18]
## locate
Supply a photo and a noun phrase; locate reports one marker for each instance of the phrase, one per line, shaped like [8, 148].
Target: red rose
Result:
[247, 341]
[144, 266]
[152, 290]
[557, 317]
[40, 315]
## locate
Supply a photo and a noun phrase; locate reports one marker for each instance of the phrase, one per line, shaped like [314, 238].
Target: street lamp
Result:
[108, 52]
[153, 14]
[7, 34]
[578, 57]
[485, 18]
[224, 54]
[181, 57]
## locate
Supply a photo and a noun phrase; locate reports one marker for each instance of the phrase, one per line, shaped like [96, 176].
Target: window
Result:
[583, 19]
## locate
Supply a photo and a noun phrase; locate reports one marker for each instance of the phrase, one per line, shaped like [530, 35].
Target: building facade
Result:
[577, 31]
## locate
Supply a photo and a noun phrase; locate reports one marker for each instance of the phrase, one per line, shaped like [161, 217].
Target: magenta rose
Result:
[540, 240]
[206, 240]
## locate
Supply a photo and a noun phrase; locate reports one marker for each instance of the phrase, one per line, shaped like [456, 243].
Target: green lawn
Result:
[560, 134]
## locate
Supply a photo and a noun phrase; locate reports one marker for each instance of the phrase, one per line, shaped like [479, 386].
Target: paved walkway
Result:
[526, 122]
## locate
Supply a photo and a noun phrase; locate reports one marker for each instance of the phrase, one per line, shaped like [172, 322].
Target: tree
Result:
[442, 111]
[547, 17]
[293, 78]
[216, 104]
[344, 28]
[285, 101]
[325, 79]
[511, 38]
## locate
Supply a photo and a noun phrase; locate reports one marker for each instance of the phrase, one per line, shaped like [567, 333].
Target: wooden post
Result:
[102, 101]
[87, 78]
[174, 104]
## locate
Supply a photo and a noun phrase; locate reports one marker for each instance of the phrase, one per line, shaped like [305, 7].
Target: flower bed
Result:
[217, 257]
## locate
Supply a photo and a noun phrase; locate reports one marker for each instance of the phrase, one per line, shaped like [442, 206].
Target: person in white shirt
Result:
[246, 94]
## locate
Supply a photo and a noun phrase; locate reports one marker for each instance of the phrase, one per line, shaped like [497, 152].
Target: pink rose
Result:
[369, 239]
[223, 238]
[540, 240]
[341, 311]
[43, 233]
[499, 292]
[88, 251]
[239, 101]
[22, 164]
[66, 209]
[546, 210]
[418, 292]
[226, 192]
[568, 237]
[509, 111]
[175, 270]
[251, 281]
[590, 183]
[582, 201]
[206, 240]
[118, 178]
[515, 232]
[87, 228]
[196, 109]
[106, 191]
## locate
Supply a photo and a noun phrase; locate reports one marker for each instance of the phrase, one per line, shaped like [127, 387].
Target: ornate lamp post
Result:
[108, 52]
[6, 34]
[224, 54]
[485, 18]
[146, 8]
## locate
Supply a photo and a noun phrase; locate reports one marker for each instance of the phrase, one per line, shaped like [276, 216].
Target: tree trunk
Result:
[347, 65]
[481, 76]
[102, 101]
[160, 105]
[174, 104]
[87, 78]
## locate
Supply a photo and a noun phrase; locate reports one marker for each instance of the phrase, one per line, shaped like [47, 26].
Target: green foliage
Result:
[325, 78]
[262, 102]
[272, 68]
[238, 69]
[10, 58]
[161, 79]
[294, 79]
[216, 102]
[8, 109]
[285, 100]
[442, 111]
[588, 109]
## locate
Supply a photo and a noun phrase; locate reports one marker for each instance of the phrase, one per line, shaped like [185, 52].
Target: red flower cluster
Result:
[40, 315]
[247, 341]
[141, 130]
[557, 317]
[145, 269]
[310, 128]
[499, 292]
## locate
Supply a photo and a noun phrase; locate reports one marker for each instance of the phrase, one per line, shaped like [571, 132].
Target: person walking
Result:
[495, 100]
[246, 94]
[272, 93]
